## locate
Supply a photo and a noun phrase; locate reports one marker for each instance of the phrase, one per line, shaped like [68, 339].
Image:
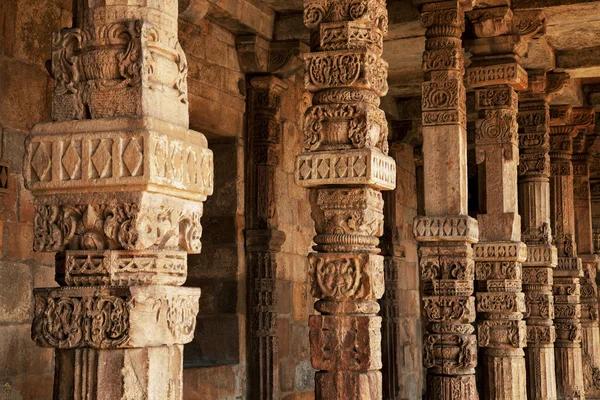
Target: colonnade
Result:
[119, 181]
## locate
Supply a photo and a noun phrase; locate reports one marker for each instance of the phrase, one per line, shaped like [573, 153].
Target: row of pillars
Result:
[510, 304]
[119, 180]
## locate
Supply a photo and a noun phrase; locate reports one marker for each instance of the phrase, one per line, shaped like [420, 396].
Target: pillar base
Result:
[541, 379]
[152, 373]
[503, 374]
[348, 385]
[459, 387]
[569, 374]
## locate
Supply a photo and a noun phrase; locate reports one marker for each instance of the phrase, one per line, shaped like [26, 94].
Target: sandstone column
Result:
[401, 330]
[267, 63]
[534, 206]
[567, 275]
[118, 181]
[584, 119]
[446, 232]
[345, 165]
[495, 74]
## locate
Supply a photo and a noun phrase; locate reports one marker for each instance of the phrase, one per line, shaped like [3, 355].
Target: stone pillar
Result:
[584, 118]
[446, 232]
[534, 206]
[495, 73]
[401, 328]
[119, 181]
[345, 165]
[568, 273]
[268, 64]
[263, 240]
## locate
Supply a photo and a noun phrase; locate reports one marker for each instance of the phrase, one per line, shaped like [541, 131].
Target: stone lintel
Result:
[114, 317]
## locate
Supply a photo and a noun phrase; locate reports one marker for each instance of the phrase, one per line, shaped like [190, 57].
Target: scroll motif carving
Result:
[116, 226]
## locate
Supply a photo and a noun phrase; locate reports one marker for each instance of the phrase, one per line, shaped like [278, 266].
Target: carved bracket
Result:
[258, 55]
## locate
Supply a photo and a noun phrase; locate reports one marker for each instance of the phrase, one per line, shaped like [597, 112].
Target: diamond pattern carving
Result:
[71, 161]
[323, 168]
[101, 159]
[360, 167]
[41, 162]
[305, 169]
[133, 157]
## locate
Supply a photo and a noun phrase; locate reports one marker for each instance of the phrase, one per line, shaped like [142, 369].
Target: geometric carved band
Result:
[114, 317]
[107, 155]
[455, 228]
[349, 167]
[122, 268]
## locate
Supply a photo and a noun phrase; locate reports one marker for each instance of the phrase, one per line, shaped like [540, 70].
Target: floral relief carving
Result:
[115, 226]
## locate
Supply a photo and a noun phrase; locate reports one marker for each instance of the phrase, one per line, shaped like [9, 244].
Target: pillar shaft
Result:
[446, 232]
[345, 164]
[584, 119]
[568, 273]
[495, 73]
[263, 240]
[118, 181]
[534, 205]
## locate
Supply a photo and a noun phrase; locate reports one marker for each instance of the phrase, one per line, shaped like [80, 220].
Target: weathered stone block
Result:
[15, 297]
[348, 385]
[345, 343]
[501, 334]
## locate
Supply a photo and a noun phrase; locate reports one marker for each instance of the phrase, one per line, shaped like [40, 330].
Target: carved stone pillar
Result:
[267, 63]
[345, 165]
[568, 273]
[534, 206]
[446, 232]
[495, 73]
[584, 118]
[263, 240]
[119, 182]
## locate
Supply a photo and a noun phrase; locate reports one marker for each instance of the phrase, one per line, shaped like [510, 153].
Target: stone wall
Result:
[26, 27]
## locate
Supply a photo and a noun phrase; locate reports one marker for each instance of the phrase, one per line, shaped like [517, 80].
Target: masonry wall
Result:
[26, 26]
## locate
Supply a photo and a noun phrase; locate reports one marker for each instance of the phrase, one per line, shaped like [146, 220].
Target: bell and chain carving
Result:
[345, 164]
[119, 181]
